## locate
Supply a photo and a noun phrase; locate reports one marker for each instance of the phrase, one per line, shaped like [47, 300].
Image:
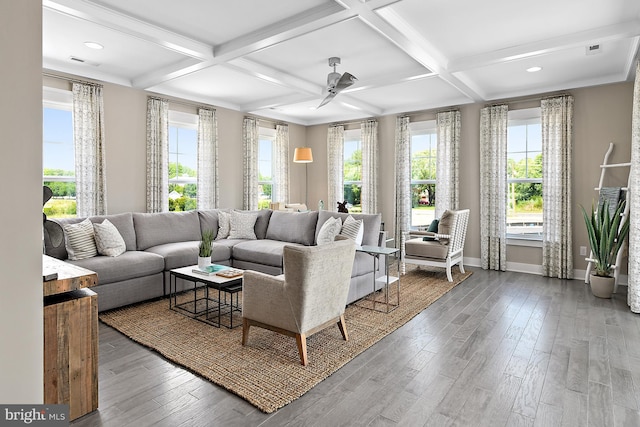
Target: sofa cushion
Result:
[294, 227]
[362, 264]
[109, 242]
[178, 254]
[129, 265]
[444, 225]
[153, 229]
[79, 240]
[243, 225]
[425, 249]
[209, 221]
[371, 225]
[265, 251]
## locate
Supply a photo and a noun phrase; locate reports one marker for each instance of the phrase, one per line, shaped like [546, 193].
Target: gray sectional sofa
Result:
[159, 242]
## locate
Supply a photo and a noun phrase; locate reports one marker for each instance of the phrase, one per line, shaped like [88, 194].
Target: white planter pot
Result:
[203, 261]
[602, 286]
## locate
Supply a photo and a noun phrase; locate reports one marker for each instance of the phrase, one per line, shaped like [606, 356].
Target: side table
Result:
[70, 336]
[386, 281]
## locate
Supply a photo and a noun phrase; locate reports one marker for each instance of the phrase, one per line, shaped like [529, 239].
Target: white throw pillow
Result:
[243, 225]
[224, 225]
[353, 229]
[109, 242]
[329, 230]
[79, 240]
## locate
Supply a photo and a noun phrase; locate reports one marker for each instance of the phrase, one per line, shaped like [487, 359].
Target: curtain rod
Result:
[529, 99]
[181, 102]
[280, 122]
[72, 80]
[353, 123]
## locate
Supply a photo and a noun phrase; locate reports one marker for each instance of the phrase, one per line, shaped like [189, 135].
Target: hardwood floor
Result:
[500, 349]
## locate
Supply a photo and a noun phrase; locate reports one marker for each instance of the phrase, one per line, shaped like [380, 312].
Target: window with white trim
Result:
[58, 153]
[183, 161]
[524, 174]
[424, 142]
[266, 144]
[352, 169]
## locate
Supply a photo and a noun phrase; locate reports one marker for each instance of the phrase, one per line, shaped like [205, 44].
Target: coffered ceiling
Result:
[270, 58]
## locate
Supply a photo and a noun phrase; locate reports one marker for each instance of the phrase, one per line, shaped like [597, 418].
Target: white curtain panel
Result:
[335, 172]
[403, 180]
[208, 190]
[369, 195]
[448, 128]
[250, 164]
[281, 165]
[88, 140]
[157, 155]
[493, 187]
[633, 292]
[557, 140]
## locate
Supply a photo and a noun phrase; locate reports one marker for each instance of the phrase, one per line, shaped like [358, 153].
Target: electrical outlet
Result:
[583, 250]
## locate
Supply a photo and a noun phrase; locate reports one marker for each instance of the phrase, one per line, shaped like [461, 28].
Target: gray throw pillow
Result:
[243, 225]
[444, 226]
[329, 230]
[109, 242]
[224, 225]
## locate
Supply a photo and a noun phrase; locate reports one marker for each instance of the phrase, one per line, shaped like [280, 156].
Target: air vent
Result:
[593, 49]
[83, 61]
[73, 58]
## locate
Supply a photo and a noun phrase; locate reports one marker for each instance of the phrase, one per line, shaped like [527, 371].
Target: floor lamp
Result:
[304, 155]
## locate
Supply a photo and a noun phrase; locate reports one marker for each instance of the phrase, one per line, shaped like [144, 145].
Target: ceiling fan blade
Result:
[345, 81]
[327, 99]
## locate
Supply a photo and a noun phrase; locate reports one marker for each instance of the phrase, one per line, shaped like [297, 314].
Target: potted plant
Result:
[606, 236]
[205, 248]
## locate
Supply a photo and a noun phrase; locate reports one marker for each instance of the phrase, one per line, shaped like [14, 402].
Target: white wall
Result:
[21, 348]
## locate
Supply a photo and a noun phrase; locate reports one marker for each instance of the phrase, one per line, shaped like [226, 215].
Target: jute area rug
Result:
[267, 372]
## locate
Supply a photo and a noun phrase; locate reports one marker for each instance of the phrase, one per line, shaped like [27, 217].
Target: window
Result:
[352, 169]
[424, 141]
[58, 155]
[183, 161]
[524, 174]
[266, 138]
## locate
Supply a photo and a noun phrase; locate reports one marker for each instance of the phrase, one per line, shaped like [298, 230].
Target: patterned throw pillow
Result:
[79, 240]
[224, 225]
[109, 242]
[329, 230]
[353, 229]
[243, 225]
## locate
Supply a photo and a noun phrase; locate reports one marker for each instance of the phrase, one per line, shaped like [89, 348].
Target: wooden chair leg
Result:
[343, 328]
[245, 330]
[301, 340]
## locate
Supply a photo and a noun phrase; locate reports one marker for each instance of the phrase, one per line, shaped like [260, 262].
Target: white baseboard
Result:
[521, 267]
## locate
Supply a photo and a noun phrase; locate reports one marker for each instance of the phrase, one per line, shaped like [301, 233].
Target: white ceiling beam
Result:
[544, 47]
[125, 24]
[276, 102]
[272, 75]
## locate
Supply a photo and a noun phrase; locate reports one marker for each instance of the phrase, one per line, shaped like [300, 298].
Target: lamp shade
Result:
[303, 155]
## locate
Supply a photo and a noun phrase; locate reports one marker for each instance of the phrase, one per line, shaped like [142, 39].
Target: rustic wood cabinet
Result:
[70, 337]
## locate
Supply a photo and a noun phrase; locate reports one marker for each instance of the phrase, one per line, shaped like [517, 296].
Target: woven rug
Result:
[267, 372]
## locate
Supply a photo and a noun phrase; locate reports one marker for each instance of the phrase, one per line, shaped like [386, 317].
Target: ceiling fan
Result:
[336, 82]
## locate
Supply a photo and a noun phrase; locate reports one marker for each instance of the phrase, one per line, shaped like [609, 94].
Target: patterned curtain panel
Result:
[493, 187]
[403, 180]
[369, 195]
[633, 292]
[208, 190]
[281, 165]
[448, 128]
[335, 156]
[557, 130]
[157, 155]
[88, 140]
[250, 165]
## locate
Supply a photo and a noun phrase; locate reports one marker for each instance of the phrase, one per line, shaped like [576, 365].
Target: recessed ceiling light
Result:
[93, 45]
[534, 69]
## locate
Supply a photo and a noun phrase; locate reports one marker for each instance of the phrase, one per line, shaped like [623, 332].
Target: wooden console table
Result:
[70, 337]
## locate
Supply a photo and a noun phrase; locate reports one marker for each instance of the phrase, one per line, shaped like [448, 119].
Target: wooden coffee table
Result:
[217, 310]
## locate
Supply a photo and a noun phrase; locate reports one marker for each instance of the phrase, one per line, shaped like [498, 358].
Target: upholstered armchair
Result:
[442, 249]
[308, 297]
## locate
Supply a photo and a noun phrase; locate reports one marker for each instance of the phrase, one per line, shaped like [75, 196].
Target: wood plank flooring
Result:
[501, 349]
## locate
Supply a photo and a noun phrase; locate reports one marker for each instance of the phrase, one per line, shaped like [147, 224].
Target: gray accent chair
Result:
[310, 295]
[447, 248]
